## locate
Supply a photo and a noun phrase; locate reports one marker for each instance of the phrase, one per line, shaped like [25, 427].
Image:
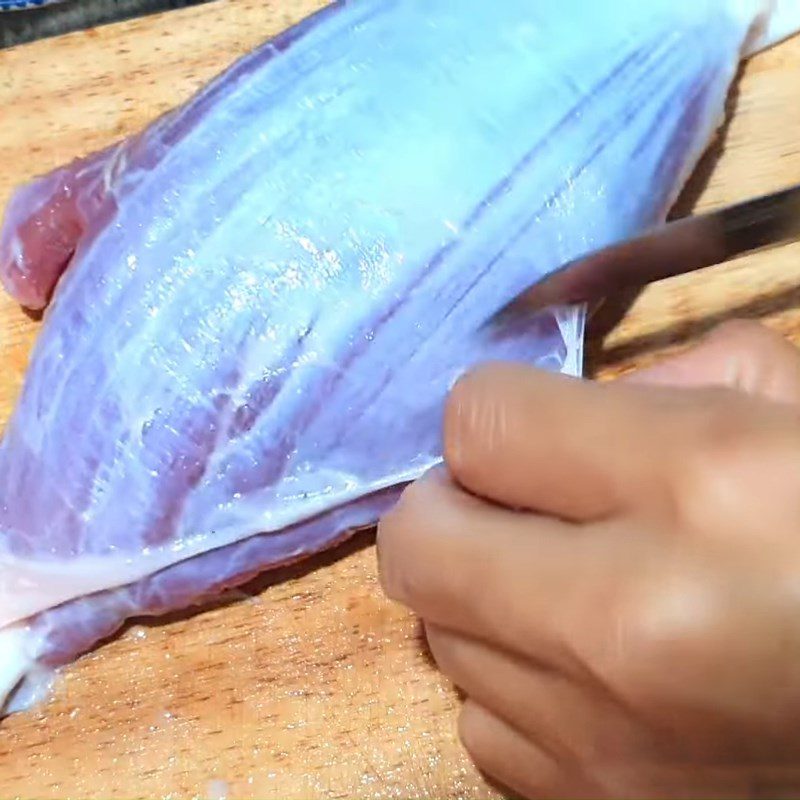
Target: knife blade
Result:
[675, 248]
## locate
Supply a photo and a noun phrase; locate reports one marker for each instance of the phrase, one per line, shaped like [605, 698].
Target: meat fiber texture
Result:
[258, 304]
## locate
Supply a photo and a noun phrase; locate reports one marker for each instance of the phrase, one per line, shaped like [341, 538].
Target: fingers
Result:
[582, 450]
[572, 723]
[573, 449]
[511, 758]
[43, 224]
[508, 757]
[740, 355]
[525, 582]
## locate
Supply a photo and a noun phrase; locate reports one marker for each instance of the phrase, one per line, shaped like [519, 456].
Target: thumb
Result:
[739, 355]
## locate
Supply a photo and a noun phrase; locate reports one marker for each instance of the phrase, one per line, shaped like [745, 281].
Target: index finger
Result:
[532, 585]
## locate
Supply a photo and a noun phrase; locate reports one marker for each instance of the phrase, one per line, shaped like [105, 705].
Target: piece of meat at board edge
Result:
[256, 306]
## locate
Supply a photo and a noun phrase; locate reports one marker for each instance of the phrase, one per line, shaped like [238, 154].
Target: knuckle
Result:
[659, 642]
[755, 347]
[758, 360]
[743, 332]
[738, 445]
[742, 466]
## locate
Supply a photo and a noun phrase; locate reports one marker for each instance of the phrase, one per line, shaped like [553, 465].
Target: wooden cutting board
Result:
[310, 684]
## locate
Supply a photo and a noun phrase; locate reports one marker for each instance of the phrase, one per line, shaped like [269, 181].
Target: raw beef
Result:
[258, 304]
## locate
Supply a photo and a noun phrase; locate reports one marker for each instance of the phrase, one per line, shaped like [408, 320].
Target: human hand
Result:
[611, 573]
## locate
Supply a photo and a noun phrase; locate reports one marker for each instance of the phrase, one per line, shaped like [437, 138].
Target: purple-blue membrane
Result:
[260, 302]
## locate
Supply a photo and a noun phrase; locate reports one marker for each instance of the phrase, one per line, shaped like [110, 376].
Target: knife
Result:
[675, 248]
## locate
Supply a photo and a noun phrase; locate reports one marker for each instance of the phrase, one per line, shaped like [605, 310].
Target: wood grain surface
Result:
[310, 684]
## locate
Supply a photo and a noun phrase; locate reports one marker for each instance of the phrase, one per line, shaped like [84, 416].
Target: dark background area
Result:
[19, 27]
